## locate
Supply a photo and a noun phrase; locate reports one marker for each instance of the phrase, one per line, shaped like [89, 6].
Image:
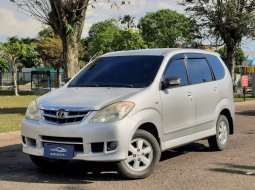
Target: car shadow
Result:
[17, 166]
[235, 169]
[193, 147]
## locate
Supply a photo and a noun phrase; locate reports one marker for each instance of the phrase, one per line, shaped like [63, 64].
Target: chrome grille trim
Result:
[54, 116]
[74, 116]
[60, 142]
[56, 108]
[77, 142]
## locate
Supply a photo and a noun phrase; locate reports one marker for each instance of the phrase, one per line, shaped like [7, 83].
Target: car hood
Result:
[84, 98]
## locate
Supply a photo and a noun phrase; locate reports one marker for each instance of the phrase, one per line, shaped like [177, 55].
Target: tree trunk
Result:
[59, 78]
[230, 61]
[70, 55]
[15, 86]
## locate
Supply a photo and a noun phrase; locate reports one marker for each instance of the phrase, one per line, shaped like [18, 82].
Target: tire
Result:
[46, 163]
[143, 155]
[220, 141]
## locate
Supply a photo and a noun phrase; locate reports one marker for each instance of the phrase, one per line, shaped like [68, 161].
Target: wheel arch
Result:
[149, 120]
[151, 128]
[226, 112]
[226, 107]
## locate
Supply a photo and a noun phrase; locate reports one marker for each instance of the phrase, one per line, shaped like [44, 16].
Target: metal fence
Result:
[29, 81]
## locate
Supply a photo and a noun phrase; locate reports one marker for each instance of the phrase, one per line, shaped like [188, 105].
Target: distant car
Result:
[128, 107]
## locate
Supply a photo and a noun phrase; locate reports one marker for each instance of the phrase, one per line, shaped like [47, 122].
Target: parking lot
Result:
[192, 166]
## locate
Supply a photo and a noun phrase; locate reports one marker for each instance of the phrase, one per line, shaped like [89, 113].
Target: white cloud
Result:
[12, 25]
[13, 22]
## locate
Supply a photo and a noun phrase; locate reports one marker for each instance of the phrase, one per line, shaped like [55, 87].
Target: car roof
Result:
[158, 52]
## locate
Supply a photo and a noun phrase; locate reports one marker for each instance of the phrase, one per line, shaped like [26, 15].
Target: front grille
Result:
[63, 139]
[74, 141]
[69, 116]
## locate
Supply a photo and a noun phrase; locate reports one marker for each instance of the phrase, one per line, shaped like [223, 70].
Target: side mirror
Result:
[170, 82]
[66, 80]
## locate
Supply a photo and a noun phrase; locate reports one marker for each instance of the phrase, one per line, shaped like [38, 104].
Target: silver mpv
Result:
[128, 107]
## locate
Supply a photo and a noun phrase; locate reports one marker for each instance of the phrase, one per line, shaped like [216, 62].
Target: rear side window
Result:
[216, 65]
[199, 71]
[177, 69]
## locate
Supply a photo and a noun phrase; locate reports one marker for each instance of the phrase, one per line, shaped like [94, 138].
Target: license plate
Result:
[58, 151]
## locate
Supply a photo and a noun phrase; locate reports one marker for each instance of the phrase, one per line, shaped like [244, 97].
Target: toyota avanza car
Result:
[127, 107]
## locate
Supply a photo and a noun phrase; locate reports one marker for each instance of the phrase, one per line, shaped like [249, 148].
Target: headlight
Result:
[114, 112]
[33, 111]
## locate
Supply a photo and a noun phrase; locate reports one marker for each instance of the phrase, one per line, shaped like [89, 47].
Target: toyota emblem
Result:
[61, 114]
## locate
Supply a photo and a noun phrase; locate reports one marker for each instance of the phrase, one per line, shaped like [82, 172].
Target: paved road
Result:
[193, 166]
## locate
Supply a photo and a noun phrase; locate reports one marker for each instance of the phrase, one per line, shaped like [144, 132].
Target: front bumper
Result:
[34, 133]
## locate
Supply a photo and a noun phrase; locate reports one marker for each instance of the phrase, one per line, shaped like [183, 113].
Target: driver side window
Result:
[177, 68]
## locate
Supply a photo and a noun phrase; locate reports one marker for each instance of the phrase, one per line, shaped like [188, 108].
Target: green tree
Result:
[30, 59]
[3, 64]
[166, 29]
[66, 17]
[239, 55]
[49, 46]
[13, 51]
[127, 21]
[128, 40]
[83, 52]
[107, 36]
[227, 20]
[4, 67]
[101, 37]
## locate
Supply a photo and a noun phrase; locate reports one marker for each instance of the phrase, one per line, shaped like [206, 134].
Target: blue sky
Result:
[14, 22]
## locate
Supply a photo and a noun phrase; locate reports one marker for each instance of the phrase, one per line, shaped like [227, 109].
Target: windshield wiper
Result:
[129, 86]
[90, 85]
[120, 85]
[85, 85]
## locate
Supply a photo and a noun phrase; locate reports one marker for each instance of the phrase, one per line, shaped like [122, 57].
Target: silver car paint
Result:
[92, 98]
[196, 118]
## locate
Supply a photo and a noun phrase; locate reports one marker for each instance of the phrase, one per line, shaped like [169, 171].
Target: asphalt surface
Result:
[192, 166]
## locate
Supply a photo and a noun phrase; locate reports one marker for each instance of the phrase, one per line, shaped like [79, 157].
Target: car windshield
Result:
[119, 71]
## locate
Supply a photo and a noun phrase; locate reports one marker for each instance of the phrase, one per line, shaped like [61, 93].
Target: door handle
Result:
[189, 94]
[215, 89]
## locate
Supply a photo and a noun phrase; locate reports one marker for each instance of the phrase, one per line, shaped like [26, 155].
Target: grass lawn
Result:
[12, 111]
[241, 99]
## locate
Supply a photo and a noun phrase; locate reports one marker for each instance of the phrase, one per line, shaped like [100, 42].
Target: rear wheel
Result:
[46, 163]
[143, 155]
[220, 140]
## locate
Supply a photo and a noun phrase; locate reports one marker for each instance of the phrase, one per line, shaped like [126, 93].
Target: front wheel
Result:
[143, 155]
[220, 140]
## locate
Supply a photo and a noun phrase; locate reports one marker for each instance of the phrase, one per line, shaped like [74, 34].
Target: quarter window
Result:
[177, 69]
[217, 67]
[199, 71]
